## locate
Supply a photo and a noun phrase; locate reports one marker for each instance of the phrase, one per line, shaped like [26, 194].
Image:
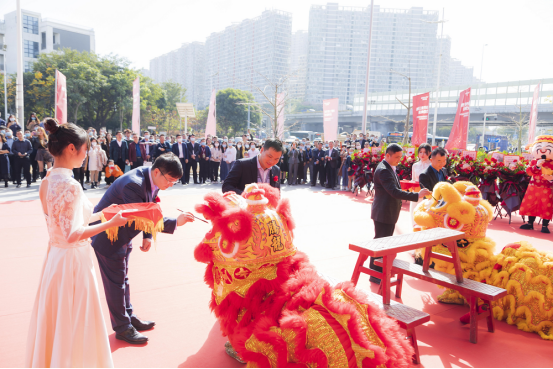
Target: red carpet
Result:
[167, 286]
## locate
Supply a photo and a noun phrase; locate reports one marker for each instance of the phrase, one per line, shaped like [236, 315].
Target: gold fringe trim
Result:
[140, 224]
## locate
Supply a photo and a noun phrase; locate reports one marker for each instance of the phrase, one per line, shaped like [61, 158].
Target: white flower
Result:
[512, 166]
[409, 159]
[466, 166]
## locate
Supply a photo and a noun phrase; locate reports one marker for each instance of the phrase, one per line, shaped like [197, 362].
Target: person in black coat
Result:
[388, 197]
[259, 169]
[193, 151]
[435, 172]
[119, 151]
[180, 150]
[318, 155]
[332, 160]
[204, 156]
[162, 147]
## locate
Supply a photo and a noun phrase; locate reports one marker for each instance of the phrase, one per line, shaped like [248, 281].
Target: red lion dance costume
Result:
[538, 200]
[271, 303]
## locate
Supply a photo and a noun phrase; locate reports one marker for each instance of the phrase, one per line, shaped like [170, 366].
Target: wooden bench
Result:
[472, 291]
[389, 247]
[407, 317]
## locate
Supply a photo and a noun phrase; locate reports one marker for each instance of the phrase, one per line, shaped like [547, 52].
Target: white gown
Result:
[418, 168]
[67, 325]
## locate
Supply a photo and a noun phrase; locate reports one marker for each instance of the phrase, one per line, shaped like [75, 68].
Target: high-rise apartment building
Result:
[459, 75]
[185, 66]
[249, 54]
[298, 64]
[39, 36]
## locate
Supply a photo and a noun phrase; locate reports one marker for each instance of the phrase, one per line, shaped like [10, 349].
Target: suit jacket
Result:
[293, 156]
[193, 148]
[132, 152]
[151, 149]
[175, 150]
[388, 195]
[334, 158]
[428, 178]
[114, 150]
[318, 155]
[166, 145]
[134, 186]
[207, 153]
[243, 172]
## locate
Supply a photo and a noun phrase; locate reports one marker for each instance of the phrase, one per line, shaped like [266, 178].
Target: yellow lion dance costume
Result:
[526, 273]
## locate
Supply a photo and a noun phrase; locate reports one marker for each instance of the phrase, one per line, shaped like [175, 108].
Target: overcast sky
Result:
[518, 33]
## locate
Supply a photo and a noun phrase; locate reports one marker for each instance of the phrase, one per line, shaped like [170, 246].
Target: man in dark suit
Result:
[435, 172]
[180, 150]
[318, 155]
[140, 185]
[204, 155]
[388, 196]
[259, 169]
[149, 145]
[137, 151]
[119, 151]
[193, 150]
[162, 147]
[332, 158]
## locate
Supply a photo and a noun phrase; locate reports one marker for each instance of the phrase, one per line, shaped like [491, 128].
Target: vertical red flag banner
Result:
[61, 98]
[330, 119]
[280, 116]
[210, 127]
[459, 132]
[136, 105]
[533, 115]
[420, 118]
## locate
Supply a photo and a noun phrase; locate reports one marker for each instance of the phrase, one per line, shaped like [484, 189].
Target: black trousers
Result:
[22, 164]
[121, 164]
[204, 170]
[138, 163]
[34, 165]
[114, 270]
[380, 230]
[184, 166]
[11, 158]
[214, 169]
[330, 176]
[78, 174]
[317, 169]
[192, 163]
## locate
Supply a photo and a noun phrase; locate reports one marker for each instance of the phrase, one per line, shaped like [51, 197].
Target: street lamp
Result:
[438, 81]
[406, 129]
[484, 123]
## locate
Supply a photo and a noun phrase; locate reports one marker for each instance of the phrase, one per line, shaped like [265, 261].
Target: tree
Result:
[174, 93]
[82, 81]
[232, 118]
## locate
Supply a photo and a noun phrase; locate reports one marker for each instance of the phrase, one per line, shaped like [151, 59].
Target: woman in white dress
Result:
[67, 325]
[420, 166]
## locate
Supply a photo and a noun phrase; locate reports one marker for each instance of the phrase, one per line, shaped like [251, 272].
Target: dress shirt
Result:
[119, 143]
[154, 187]
[138, 153]
[262, 174]
[23, 147]
[439, 174]
[181, 155]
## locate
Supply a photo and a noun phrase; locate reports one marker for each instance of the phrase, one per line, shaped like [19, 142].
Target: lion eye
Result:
[440, 204]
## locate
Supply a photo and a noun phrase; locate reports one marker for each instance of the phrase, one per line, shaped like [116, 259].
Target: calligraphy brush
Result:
[430, 192]
[205, 221]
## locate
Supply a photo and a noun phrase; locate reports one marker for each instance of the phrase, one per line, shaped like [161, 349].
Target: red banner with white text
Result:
[420, 118]
[459, 132]
[136, 106]
[61, 98]
[330, 119]
[533, 115]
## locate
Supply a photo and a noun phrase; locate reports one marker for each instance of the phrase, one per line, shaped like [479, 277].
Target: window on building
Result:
[28, 65]
[30, 49]
[43, 40]
[30, 24]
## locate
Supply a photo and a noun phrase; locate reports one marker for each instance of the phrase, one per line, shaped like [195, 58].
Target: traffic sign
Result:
[494, 139]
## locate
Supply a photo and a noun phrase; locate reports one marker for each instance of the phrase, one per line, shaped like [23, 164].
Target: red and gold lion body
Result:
[271, 303]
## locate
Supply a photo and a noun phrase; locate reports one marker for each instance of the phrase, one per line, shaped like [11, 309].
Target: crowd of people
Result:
[24, 156]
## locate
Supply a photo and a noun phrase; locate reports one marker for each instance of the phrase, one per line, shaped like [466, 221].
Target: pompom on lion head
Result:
[459, 207]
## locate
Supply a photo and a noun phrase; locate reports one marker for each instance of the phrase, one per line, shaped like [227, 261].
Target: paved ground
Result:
[167, 283]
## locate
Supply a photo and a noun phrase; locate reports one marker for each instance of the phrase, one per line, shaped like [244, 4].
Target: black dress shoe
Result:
[142, 325]
[132, 336]
[28, 185]
[18, 186]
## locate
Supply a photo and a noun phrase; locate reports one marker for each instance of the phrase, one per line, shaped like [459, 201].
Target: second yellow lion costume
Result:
[526, 273]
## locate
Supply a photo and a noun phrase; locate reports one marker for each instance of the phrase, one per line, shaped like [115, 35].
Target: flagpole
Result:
[19, 91]
[364, 124]
[56, 96]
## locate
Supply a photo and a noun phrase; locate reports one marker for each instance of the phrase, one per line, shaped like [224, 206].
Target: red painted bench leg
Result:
[413, 338]
[473, 319]
[356, 272]
[399, 285]
[387, 263]
[452, 247]
[426, 261]
[490, 316]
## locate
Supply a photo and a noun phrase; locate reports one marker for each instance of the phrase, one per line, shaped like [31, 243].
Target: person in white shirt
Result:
[216, 157]
[253, 151]
[229, 157]
[420, 166]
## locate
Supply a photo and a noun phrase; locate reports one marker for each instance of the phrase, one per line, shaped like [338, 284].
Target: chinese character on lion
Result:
[526, 273]
[271, 303]
[538, 200]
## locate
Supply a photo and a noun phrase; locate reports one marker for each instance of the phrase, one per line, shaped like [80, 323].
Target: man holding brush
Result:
[388, 197]
[140, 185]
